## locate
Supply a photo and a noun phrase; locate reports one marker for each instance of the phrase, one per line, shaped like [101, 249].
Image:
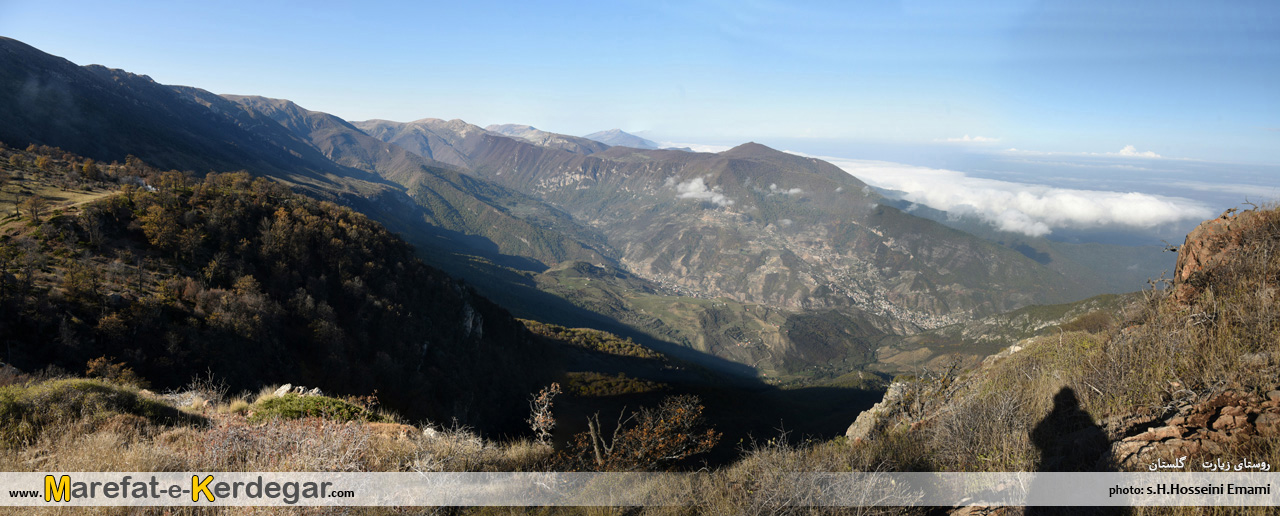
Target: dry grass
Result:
[96, 426]
[762, 482]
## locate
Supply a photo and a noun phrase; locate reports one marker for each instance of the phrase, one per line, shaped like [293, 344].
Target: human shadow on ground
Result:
[1069, 441]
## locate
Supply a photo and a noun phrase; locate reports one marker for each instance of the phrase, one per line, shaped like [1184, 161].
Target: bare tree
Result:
[646, 440]
[540, 418]
[35, 206]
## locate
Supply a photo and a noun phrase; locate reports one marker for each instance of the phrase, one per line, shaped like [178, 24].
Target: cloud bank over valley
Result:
[1029, 209]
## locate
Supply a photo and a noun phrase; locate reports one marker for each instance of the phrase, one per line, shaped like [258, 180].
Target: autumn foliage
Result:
[646, 440]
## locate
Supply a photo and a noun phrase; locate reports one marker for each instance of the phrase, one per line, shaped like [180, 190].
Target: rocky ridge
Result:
[1200, 423]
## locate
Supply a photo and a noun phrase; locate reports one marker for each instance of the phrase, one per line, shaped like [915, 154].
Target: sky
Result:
[988, 90]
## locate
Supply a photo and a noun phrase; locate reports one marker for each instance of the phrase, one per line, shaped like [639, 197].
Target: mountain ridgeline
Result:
[756, 225]
[769, 261]
[618, 138]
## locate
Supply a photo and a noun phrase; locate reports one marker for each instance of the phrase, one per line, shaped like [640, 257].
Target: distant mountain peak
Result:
[619, 138]
[751, 150]
[510, 129]
[531, 134]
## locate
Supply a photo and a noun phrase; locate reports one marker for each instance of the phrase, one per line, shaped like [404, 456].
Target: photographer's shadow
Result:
[1069, 441]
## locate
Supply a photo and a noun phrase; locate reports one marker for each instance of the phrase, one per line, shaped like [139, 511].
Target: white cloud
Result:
[1029, 209]
[1245, 191]
[1131, 151]
[695, 147]
[697, 188]
[970, 139]
[773, 187]
[1128, 151]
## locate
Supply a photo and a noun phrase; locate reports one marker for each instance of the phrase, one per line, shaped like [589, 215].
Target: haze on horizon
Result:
[1175, 100]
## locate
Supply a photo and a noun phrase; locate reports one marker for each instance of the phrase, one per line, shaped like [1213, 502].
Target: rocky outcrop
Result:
[1207, 246]
[289, 388]
[1209, 426]
[872, 420]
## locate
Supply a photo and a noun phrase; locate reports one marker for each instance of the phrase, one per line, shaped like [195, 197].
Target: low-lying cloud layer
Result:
[697, 188]
[970, 139]
[1030, 209]
[1128, 151]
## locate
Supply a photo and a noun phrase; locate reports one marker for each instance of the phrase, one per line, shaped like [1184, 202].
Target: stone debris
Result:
[289, 388]
[1219, 422]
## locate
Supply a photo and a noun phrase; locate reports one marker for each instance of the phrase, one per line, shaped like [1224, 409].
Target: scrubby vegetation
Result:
[293, 406]
[591, 383]
[646, 440]
[173, 275]
[587, 338]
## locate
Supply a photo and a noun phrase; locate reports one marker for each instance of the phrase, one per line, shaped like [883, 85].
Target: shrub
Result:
[647, 440]
[114, 372]
[293, 406]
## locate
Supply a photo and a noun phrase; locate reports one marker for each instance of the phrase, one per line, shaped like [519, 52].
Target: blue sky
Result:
[962, 105]
[1196, 80]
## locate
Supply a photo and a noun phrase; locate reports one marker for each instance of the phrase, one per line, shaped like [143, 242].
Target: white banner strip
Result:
[635, 489]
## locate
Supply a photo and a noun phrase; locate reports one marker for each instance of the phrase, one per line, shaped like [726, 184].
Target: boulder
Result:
[1206, 246]
[865, 426]
[1268, 423]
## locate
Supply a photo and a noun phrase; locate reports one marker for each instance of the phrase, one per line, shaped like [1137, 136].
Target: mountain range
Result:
[752, 259]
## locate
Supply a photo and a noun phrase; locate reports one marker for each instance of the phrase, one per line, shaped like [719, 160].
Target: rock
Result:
[284, 389]
[1200, 420]
[315, 392]
[1268, 423]
[1125, 452]
[1222, 400]
[1205, 247]
[1229, 422]
[863, 426]
[1274, 396]
[1183, 447]
[1218, 437]
[868, 421]
[1233, 411]
[1159, 434]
